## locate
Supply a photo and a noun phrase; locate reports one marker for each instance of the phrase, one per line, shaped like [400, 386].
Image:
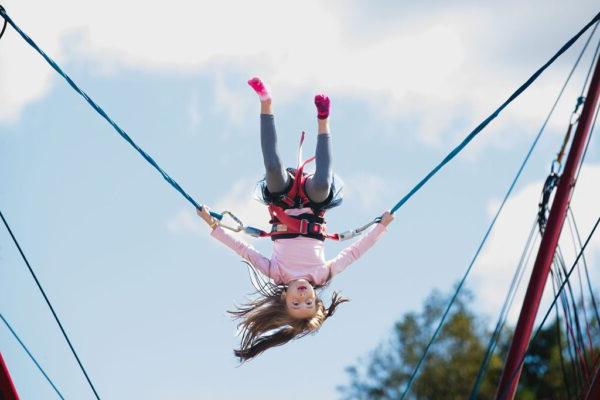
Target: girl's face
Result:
[300, 299]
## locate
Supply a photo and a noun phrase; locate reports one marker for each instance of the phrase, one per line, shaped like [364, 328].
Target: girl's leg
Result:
[319, 185]
[276, 176]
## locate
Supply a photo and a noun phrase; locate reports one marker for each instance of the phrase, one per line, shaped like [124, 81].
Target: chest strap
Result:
[287, 226]
[284, 224]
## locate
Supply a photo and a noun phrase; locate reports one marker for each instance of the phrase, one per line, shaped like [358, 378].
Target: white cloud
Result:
[24, 76]
[185, 222]
[231, 101]
[193, 112]
[433, 65]
[367, 189]
[238, 200]
[494, 269]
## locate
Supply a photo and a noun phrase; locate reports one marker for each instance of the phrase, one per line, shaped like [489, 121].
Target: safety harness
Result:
[283, 225]
[310, 224]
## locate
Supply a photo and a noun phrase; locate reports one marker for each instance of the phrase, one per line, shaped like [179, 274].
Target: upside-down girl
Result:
[288, 305]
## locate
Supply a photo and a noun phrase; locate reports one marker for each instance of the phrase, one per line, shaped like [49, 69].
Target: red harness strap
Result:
[296, 197]
[297, 226]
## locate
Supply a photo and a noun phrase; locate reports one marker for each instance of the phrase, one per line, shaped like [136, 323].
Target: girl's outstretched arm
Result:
[360, 247]
[243, 249]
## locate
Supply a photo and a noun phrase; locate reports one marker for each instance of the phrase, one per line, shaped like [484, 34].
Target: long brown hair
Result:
[265, 321]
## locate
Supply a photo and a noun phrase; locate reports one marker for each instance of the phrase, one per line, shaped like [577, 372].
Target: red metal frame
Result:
[7, 387]
[539, 275]
[594, 392]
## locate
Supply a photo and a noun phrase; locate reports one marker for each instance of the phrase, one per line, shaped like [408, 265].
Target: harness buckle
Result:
[318, 228]
[304, 226]
[310, 228]
[315, 228]
[279, 228]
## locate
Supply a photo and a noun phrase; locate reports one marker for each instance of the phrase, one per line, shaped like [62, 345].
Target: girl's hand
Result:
[386, 218]
[205, 215]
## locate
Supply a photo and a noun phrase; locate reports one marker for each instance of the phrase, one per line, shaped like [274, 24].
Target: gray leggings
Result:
[317, 186]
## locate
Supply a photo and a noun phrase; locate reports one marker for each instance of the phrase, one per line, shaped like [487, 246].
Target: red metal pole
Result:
[594, 392]
[7, 388]
[541, 268]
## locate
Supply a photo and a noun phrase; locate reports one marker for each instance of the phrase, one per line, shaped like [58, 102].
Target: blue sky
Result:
[138, 283]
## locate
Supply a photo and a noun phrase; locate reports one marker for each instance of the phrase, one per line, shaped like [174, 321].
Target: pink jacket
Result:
[300, 257]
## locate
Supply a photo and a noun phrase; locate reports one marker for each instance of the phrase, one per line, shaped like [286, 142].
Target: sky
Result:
[140, 286]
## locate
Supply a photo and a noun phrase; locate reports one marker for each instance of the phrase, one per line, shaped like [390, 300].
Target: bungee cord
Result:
[492, 116]
[493, 222]
[103, 114]
[49, 304]
[572, 321]
[4, 24]
[253, 231]
[31, 356]
[549, 185]
[563, 367]
[504, 393]
[587, 273]
[581, 364]
[240, 226]
[530, 245]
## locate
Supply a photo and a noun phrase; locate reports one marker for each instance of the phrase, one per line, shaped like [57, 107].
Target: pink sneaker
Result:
[322, 102]
[260, 89]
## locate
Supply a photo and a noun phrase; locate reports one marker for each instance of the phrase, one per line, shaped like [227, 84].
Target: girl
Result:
[288, 306]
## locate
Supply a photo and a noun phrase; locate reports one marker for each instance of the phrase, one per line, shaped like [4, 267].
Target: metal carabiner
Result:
[238, 228]
[355, 232]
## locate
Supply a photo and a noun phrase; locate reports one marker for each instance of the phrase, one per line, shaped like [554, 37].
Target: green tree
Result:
[450, 368]
[543, 373]
[449, 372]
